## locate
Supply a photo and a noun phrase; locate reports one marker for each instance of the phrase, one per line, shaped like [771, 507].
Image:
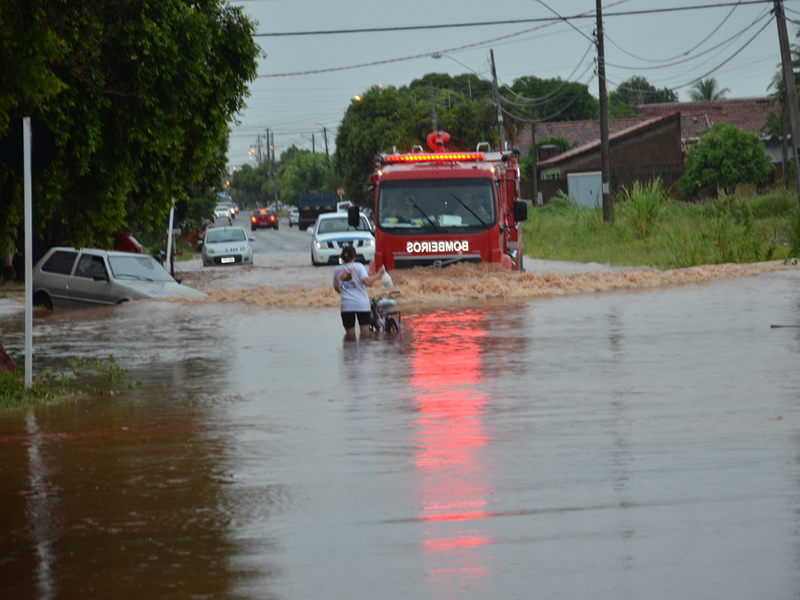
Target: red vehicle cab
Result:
[263, 218]
[439, 208]
[125, 242]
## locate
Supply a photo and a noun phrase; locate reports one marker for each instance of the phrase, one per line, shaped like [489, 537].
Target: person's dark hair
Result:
[348, 253]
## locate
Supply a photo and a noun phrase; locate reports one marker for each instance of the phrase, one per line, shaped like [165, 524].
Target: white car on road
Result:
[294, 216]
[332, 233]
[227, 246]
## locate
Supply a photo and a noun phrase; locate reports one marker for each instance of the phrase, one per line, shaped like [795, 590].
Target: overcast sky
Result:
[734, 42]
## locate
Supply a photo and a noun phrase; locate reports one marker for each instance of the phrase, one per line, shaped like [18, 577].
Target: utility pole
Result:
[269, 156]
[313, 145]
[605, 158]
[327, 156]
[535, 158]
[273, 167]
[789, 88]
[497, 103]
[433, 106]
[258, 145]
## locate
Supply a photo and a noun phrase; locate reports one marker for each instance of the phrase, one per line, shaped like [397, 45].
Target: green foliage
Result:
[793, 233]
[635, 91]
[724, 157]
[707, 89]
[641, 206]
[249, 184]
[304, 173]
[52, 389]
[138, 95]
[565, 100]
[758, 229]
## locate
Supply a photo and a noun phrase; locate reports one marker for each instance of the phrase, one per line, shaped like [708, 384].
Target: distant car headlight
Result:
[370, 242]
[209, 250]
[320, 245]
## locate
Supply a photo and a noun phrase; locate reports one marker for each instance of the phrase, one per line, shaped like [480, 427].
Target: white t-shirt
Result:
[349, 279]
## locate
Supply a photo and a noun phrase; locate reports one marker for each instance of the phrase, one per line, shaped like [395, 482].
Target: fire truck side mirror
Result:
[520, 211]
[354, 217]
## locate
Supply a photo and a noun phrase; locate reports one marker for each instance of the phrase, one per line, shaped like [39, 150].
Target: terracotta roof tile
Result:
[638, 126]
[749, 114]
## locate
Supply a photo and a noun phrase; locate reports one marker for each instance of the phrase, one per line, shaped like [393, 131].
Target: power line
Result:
[689, 51]
[506, 22]
[684, 60]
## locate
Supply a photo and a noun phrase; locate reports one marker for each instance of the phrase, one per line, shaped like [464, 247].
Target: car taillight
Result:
[253, 219]
[272, 218]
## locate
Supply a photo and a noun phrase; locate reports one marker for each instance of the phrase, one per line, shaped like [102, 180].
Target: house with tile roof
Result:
[636, 151]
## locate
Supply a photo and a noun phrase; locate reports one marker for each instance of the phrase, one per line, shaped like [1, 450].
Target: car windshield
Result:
[141, 267]
[215, 236]
[339, 224]
[436, 205]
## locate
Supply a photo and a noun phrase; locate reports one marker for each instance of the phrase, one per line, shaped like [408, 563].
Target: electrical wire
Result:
[506, 22]
[685, 60]
[689, 51]
[548, 117]
[552, 94]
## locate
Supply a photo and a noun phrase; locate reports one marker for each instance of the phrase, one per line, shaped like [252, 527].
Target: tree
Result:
[554, 99]
[385, 118]
[633, 92]
[138, 95]
[707, 89]
[724, 157]
[303, 173]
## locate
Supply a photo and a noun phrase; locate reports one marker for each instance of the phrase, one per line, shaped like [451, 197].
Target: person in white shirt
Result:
[350, 280]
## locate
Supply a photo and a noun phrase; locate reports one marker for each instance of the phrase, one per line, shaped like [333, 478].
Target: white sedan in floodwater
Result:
[227, 246]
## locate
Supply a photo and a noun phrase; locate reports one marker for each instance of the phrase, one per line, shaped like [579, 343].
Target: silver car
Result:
[89, 276]
[227, 246]
[294, 216]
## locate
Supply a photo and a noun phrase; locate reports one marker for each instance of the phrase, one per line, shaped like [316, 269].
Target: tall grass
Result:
[641, 206]
[84, 380]
[649, 228]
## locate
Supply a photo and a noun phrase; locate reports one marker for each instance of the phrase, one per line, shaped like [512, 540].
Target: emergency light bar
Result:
[437, 157]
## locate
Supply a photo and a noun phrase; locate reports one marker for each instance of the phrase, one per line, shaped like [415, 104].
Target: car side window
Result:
[60, 262]
[91, 266]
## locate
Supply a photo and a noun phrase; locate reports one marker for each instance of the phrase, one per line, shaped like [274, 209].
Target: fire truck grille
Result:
[444, 261]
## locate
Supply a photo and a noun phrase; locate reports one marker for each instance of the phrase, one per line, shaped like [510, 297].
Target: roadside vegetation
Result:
[86, 377]
[652, 229]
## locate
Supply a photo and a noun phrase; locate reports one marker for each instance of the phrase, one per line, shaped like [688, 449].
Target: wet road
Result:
[636, 444]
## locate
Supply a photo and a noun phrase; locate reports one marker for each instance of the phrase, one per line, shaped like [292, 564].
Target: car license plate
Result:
[227, 259]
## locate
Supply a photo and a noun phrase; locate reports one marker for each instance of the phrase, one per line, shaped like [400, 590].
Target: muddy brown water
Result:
[605, 434]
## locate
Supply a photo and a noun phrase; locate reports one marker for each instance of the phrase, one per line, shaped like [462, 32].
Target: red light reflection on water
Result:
[451, 439]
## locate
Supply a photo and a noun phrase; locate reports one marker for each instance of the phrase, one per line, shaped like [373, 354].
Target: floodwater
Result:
[604, 441]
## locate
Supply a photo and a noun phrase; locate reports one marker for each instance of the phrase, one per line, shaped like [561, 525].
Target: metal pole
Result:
[605, 159]
[169, 237]
[28, 184]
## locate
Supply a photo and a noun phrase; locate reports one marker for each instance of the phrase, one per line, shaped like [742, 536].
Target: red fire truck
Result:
[439, 208]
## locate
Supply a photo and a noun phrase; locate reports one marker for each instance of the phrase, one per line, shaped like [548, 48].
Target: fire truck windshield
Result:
[434, 205]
